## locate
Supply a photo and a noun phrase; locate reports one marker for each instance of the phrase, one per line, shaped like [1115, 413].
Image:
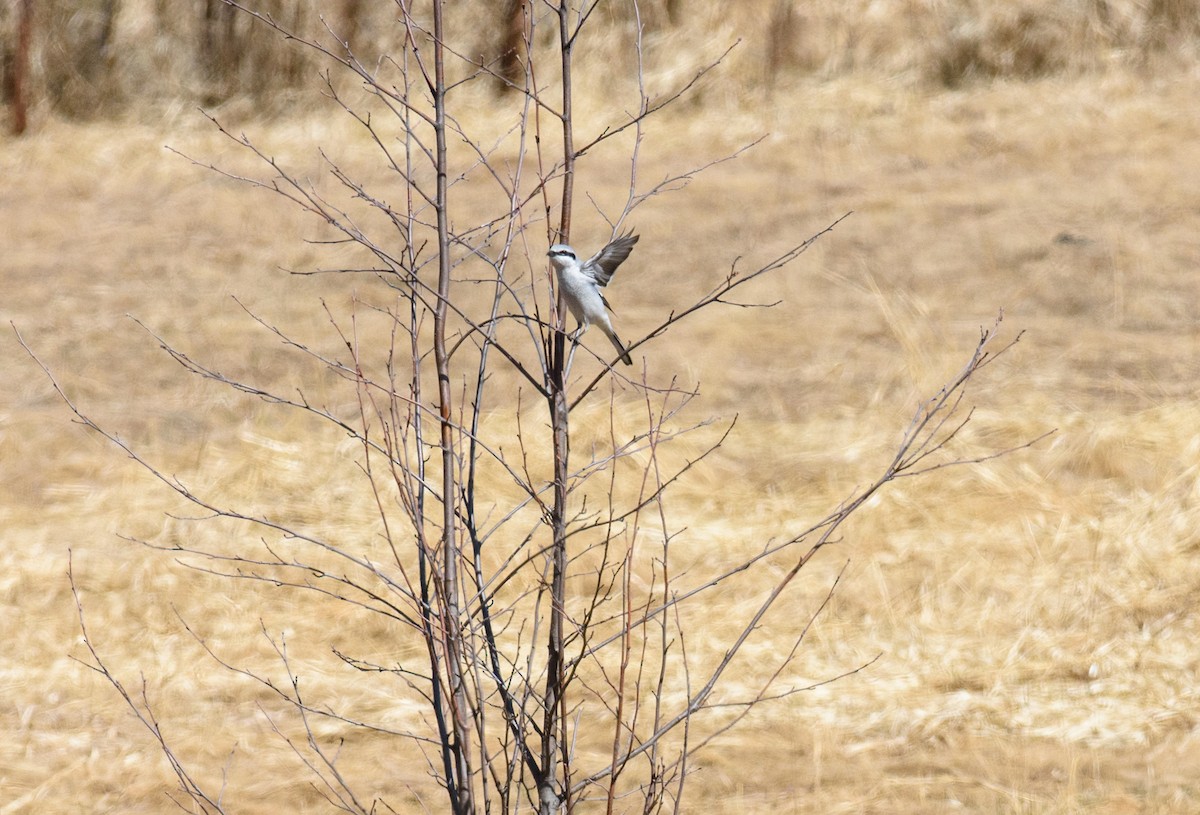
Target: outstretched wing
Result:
[601, 267]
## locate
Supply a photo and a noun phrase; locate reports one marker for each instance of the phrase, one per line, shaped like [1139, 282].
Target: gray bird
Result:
[581, 283]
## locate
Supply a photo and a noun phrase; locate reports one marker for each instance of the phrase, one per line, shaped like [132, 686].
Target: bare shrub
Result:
[524, 559]
[78, 63]
[1170, 25]
[1021, 44]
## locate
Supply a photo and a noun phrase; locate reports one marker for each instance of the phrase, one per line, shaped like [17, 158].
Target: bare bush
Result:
[529, 560]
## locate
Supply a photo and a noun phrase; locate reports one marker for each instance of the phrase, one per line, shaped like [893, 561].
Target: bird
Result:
[580, 283]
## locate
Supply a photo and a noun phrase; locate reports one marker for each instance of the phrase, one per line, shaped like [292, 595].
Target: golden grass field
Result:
[1035, 616]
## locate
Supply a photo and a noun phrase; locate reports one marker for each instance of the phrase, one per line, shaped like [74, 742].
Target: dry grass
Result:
[1036, 617]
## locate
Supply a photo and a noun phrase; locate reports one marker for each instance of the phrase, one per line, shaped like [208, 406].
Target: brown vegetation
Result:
[1035, 618]
[98, 57]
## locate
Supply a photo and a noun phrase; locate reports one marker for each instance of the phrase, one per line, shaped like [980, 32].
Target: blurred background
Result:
[90, 59]
[1034, 618]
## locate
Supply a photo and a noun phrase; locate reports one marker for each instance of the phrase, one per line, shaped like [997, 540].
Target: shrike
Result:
[580, 283]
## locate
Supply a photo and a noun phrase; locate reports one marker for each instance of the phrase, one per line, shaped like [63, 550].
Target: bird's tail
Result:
[620, 348]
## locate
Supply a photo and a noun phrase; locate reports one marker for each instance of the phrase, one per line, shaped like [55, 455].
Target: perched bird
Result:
[580, 283]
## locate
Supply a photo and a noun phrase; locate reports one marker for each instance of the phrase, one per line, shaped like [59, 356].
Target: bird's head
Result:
[561, 255]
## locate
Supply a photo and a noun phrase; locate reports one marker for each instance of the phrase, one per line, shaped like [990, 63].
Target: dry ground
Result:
[1036, 616]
